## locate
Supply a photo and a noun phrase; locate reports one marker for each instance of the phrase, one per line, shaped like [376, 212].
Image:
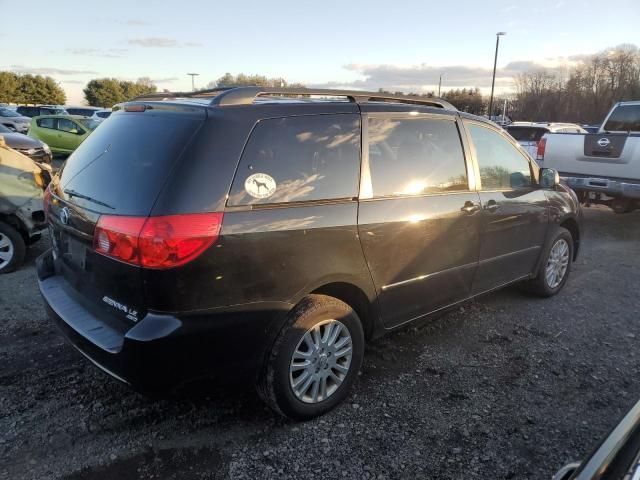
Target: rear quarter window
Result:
[297, 159]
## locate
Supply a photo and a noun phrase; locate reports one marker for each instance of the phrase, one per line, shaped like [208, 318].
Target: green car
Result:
[63, 133]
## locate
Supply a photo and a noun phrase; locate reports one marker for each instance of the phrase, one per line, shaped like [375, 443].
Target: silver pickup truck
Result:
[601, 167]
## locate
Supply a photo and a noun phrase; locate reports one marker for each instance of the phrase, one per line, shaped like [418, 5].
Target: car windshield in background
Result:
[103, 114]
[625, 118]
[527, 134]
[87, 122]
[5, 112]
[85, 112]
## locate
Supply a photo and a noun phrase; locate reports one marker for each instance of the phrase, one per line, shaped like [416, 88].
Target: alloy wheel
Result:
[6, 250]
[557, 263]
[320, 361]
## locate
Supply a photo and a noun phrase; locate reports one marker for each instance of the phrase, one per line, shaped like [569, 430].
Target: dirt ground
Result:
[508, 386]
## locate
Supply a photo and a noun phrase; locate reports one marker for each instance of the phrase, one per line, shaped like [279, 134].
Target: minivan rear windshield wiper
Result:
[73, 193]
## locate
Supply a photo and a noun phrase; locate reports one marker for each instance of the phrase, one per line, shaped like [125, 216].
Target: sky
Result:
[400, 45]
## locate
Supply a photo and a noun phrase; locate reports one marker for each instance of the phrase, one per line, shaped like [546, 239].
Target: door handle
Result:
[470, 207]
[491, 206]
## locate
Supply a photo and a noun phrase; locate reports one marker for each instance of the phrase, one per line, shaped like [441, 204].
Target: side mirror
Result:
[549, 177]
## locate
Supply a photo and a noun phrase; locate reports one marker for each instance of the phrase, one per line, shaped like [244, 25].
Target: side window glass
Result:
[46, 122]
[415, 156]
[299, 159]
[67, 126]
[502, 166]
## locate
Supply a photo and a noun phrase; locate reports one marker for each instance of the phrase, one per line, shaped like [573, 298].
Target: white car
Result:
[528, 134]
[14, 121]
[101, 115]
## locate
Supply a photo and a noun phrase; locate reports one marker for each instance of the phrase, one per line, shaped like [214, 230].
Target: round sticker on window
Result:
[260, 185]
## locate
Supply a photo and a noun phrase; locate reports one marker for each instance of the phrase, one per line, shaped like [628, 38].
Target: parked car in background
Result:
[601, 167]
[14, 121]
[33, 148]
[284, 253]
[22, 185]
[617, 457]
[81, 111]
[35, 111]
[63, 133]
[528, 134]
[96, 113]
[101, 115]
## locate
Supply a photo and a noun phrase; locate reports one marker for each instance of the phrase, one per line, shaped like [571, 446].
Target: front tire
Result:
[314, 360]
[556, 265]
[12, 248]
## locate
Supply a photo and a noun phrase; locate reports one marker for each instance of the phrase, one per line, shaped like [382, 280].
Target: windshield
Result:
[87, 122]
[527, 134]
[625, 118]
[5, 112]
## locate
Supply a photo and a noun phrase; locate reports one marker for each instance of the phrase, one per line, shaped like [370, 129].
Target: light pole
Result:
[440, 84]
[493, 79]
[193, 84]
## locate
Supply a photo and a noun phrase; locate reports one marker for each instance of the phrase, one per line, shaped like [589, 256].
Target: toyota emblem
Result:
[64, 216]
[604, 142]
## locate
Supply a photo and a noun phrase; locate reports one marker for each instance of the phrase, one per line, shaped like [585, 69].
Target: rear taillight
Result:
[542, 145]
[156, 242]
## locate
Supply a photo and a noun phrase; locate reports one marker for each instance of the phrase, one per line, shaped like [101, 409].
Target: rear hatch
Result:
[119, 170]
[528, 137]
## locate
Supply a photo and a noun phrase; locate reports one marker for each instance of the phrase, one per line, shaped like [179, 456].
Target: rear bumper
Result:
[161, 352]
[611, 187]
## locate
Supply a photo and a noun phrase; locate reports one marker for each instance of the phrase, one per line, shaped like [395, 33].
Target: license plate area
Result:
[72, 251]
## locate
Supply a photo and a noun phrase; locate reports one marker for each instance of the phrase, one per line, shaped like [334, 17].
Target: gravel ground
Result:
[508, 386]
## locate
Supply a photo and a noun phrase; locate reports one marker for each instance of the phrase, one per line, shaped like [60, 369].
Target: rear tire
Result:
[314, 360]
[555, 266]
[12, 248]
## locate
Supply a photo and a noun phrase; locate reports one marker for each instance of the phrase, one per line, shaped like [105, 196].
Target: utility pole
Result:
[440, 84]
[493, 79]
[193, 84]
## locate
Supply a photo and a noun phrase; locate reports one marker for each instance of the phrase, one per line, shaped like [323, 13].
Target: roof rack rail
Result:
[247, 95]
[227, 96]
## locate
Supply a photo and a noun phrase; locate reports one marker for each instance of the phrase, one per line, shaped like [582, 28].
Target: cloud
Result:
[424, 78]
[75, 82]
[160, 42]
[98, 52]
[164, 80]
[49, 71]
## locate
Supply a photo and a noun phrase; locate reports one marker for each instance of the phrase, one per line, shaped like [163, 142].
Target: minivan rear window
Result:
[125, 162]
[294, 159]
[625, 118]
[527, 134]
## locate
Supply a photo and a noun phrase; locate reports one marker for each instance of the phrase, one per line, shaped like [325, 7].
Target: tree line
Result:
[585, 94]
[106, 92]
[30, 89]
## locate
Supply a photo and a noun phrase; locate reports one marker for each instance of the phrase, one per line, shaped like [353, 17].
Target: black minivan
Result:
[273, 231]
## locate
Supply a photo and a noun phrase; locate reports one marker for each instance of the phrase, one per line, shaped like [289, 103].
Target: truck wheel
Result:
[555, 267]
[314, 360]
[12, 248]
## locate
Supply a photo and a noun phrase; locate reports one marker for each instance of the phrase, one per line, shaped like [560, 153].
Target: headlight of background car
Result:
[46, 148]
